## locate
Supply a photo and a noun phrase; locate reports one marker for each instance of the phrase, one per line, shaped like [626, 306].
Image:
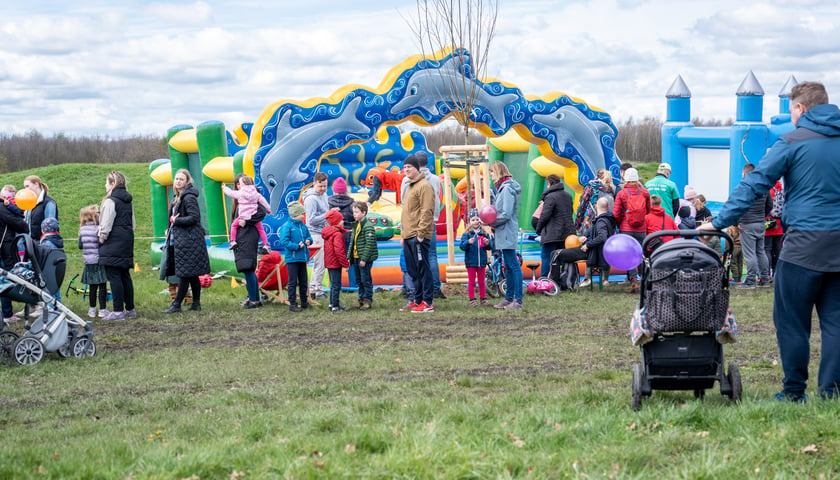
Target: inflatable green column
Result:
[532, 189]
[212, 143]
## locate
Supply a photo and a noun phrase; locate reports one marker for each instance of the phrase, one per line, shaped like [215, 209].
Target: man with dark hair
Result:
[423, 161]
[623, 168]
[316, 203]
[807, 273]
[417, 225]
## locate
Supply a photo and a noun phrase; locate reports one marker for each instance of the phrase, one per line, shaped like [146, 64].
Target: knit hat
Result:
[689, 193]
[340, 185]
[473, 213]
[631, 175]
[411, 160]
[295, 209]
[334, 218]
[49, 225]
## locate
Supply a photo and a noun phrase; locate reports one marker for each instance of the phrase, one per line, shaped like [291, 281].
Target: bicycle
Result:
[496, 282]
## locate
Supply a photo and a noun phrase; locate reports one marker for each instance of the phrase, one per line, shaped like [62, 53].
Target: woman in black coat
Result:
[245, 254]
[555, 223]
[188, 255]
[11, 224]
[116, 245]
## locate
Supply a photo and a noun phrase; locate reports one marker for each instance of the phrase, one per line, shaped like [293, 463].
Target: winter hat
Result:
[334, 218]
[690, 193]
[49, 225]
[295, 209]
[340, 185]
[411, 160]
[473, 213]
[631, 175]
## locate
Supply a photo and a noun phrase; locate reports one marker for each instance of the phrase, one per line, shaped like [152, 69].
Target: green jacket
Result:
[364, 243]
[667, 191]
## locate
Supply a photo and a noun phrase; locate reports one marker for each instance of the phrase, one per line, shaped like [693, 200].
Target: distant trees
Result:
[33, 149]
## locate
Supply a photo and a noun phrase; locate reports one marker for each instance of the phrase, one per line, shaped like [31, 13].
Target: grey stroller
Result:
[34, 280]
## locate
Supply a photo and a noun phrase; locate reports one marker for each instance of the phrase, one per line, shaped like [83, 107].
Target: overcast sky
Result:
[126, 67]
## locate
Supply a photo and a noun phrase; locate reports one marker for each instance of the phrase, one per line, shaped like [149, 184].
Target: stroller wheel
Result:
[64, 350]
[636, 401]
[7, 339]
[734, 377]
[83, 347]
[27, 351]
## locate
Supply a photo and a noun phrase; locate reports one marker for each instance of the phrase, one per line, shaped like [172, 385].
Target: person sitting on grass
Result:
[295, 238]
[335, 256]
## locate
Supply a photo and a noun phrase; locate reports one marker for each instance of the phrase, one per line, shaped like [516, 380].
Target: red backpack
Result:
[636, 209]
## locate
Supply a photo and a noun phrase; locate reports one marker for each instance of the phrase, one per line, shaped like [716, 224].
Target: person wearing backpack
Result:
[774, 233]
[630, 209]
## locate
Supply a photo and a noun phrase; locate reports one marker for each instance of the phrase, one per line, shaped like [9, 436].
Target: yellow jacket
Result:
[418, 210]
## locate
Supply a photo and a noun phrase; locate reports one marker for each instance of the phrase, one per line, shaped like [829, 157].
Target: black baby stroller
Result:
[683, 318]
[34, 280]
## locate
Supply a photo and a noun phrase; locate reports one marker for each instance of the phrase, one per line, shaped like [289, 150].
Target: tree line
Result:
[638, 141]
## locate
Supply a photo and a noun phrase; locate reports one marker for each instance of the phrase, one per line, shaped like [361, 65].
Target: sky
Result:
[118, 69]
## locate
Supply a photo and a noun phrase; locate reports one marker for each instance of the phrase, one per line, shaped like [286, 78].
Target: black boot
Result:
[195, 307]
[173, 308]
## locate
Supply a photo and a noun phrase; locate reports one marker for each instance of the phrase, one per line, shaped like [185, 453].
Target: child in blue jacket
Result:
[295, 238]
[475, 243]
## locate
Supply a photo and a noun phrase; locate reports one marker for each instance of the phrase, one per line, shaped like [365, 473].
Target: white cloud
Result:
[197, 13]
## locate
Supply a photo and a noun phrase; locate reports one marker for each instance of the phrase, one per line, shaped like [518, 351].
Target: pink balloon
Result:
[623, 252]
[488, 214]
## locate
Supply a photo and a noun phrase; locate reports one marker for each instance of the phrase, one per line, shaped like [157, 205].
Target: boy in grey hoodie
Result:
[316, 204]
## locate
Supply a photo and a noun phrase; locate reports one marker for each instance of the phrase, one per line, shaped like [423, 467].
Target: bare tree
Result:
[468, 28]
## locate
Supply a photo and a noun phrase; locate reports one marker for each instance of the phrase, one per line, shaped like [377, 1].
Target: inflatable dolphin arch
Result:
[289, 139]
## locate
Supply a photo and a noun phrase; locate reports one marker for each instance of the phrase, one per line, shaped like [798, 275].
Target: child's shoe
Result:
[484, 302]
[473, 303]
[587, 282]
[232, 246]
[338, 309]
[103, 313]
[365, 305]
[92, 312]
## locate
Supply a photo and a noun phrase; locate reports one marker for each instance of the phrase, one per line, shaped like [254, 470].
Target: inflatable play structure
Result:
[703, 156]
[351, 132]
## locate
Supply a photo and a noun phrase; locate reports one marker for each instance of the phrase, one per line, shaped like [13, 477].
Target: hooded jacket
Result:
[335, 251]
[555, 223]
[475, 254]
[658, 220]
[316, 206]
[506, 225]
[292, 233]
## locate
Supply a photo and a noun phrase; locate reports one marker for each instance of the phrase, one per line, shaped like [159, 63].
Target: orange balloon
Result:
[572, 241]
[25, 199]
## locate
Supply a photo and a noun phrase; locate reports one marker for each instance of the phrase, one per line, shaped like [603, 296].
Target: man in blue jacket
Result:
[808, 272]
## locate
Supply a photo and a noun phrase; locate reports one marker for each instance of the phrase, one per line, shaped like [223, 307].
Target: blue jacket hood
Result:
[823, 119]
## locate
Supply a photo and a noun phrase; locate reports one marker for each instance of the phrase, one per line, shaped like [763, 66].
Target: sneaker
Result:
[423, 308]
[473, 302]
[293, 308]
[104, 312]
[514, 305]
[503, 304]
[338, 309]
[484, 303]
[319, 296]
[408, 306]
[366, 305]
[790, 397]
[11, 319]
[745, 286]
[114, 316]
[249, 305]
[131, 313]
[586, 283]
[439, 294]
[34, 311]
[605, 284]
[765, 282]
[304, 305]
[92, 312]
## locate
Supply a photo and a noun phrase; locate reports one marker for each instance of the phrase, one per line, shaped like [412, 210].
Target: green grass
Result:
[461, 393]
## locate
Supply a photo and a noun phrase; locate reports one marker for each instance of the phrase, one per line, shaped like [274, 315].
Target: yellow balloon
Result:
[25, 199]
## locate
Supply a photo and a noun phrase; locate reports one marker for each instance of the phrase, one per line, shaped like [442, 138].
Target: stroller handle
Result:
[727, 249]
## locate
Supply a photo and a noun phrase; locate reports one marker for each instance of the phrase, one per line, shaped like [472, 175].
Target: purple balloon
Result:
[623, 252]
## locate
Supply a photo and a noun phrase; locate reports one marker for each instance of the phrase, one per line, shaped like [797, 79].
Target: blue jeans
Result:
[365, 281]
[417, 266]
[545, 256]
[433, 261]
[513, 275]
[252, 285]
[752, 246]
[797, 291]
[335, 286]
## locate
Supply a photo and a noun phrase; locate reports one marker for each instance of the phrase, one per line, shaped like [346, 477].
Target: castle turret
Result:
[750, 100]
[784, 94]
[679, 101]
[678, 119]
[748, 132]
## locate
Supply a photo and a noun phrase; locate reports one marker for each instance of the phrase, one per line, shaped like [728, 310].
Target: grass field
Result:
[461, 393]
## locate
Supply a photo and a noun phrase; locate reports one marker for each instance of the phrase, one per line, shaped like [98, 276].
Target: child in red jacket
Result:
[335, 255]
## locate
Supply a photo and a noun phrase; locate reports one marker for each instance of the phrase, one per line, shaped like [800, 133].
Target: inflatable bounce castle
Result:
[350, 133]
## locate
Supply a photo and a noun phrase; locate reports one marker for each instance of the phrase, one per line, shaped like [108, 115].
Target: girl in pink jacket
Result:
[248, 199]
